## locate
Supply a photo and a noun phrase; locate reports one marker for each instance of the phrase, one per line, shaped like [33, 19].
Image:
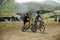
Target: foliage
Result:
[6, 6]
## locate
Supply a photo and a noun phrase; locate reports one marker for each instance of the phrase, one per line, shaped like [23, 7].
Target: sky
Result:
[21, 1]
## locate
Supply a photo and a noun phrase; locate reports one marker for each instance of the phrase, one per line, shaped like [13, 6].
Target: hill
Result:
[47, 5]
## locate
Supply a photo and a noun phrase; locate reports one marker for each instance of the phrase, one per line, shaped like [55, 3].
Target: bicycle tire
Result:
[42, 28]
[23, 29]
[33, 28]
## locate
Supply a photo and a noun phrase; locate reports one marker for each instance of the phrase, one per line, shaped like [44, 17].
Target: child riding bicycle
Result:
[26, 18]
[39, 26]
[38, 18]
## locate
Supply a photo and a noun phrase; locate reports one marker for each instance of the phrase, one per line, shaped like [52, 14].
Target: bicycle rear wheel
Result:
[33, 28]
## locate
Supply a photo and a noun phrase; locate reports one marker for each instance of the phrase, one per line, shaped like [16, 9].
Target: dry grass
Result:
[10, 24]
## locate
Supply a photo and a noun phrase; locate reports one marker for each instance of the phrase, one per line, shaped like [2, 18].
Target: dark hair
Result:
[26, 13]
[37, 12]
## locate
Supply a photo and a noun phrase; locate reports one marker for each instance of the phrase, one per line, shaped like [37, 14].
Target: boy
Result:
[26, 19]
[37, 18]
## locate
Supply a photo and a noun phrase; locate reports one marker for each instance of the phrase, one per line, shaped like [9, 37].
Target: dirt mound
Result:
[56, 37]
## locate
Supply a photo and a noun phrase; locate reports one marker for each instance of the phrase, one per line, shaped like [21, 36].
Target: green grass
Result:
[7, 25]
[11, 24]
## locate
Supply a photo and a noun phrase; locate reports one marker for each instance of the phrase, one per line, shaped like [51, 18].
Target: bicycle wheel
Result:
[33, 28]
[23, 29]
[42, 28]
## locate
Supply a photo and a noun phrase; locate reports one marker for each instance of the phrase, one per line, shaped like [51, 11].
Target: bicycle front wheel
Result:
[23, 29]
[42, 28]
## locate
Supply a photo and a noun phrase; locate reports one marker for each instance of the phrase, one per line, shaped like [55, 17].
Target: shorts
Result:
[25, 21]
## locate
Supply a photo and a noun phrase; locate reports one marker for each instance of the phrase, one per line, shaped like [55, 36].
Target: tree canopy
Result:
[6, 6]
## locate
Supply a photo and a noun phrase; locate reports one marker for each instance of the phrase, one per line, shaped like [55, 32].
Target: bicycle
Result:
[25, 27]
[35, 26]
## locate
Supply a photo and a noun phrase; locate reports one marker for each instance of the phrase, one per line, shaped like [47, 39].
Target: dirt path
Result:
[17, 34]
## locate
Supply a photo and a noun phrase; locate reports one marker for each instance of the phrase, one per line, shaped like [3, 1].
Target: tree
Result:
[6, 6]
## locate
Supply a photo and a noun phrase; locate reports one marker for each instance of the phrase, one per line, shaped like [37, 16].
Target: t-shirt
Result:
[37, 17]
[26, 17]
